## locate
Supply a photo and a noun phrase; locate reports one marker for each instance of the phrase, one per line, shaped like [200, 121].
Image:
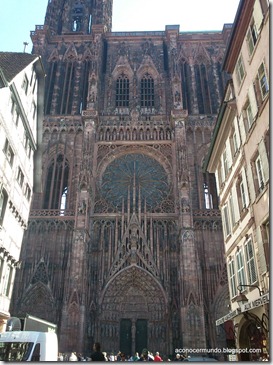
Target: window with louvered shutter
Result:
[263, 82]
[240, 70]
[226, 220]
[3, 204]
[259, 173]
[240, 267]
[232, 278]
[252, 37]
[250, 262]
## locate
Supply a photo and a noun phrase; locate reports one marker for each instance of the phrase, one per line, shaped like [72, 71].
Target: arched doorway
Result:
[133, 313]
[251, 340]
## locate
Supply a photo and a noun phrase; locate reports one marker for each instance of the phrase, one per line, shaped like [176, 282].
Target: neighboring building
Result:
[125, 243]
[21, 115]
[239, 156]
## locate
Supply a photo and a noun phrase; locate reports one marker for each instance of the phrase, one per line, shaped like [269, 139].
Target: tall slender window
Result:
[50, 83]
[250, 261]
[259, 173]
[57, 184]
[243, 195]
[263, 82]
[122, 91]
[203, 92]
[226, 220]
[147, 91]
[3, 204]
[210, 191]
[7, 280]
[232, 278]
[252, 36]
[240, 70]
[68, 88]
[240, 267]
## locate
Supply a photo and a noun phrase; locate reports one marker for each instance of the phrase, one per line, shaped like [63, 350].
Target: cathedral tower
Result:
[124, 245]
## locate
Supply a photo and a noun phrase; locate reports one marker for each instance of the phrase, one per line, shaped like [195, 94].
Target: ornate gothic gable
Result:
[134, 250]
[40, 274]
[147, 66]
[71, 53]
[201, 55]
[122, 66]
[54, 56]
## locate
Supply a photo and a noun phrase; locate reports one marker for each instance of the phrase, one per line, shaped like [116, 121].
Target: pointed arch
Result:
[38, 301]
[56, 186]
[40, 274]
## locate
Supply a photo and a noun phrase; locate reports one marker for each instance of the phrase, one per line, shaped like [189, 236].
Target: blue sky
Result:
[19, 17]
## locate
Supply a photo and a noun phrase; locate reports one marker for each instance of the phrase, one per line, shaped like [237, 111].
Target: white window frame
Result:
[250, 262]
[240, 267]
[34, 110]
[252, 37]
[8, 276]
[263, 81]
[232, 278]
[231, 210]
[243, 194]
[3, 205]
[25, 84]
[20, 177]
[249, 115]
[225, 163]
[240, 70]
[27, 192]
[260, 174]
[226, 219]
[235, 143]
[8, 151]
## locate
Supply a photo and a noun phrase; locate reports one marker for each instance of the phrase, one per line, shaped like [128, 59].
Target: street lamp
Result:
[241, 298]
[240, 286]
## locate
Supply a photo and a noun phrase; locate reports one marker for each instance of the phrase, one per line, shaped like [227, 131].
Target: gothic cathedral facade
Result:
[124, 245]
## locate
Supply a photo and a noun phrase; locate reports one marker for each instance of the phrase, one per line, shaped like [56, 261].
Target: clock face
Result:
[136, 176]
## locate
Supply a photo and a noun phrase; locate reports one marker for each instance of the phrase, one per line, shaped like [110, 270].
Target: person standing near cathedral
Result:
[97, 355]
[157, 357]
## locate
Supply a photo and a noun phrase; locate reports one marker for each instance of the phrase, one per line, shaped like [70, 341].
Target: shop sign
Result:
[228, 316]
[256, 303]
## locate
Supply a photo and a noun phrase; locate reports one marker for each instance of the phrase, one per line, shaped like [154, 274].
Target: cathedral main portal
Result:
[133, 312]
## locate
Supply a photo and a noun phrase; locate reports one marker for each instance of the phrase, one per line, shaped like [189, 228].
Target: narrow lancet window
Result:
[57, 184]
[147, 91]
[122, 91]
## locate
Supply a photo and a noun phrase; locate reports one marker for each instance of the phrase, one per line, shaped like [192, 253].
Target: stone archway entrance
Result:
[251, 337]
[134, 313]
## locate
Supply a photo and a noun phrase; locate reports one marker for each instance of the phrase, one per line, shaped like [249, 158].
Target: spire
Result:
[78, 16]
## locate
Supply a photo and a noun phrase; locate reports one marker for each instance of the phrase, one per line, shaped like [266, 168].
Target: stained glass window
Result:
[137, 176]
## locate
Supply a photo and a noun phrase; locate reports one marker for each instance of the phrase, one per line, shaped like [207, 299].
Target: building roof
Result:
[240, 25]
[12, 63]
